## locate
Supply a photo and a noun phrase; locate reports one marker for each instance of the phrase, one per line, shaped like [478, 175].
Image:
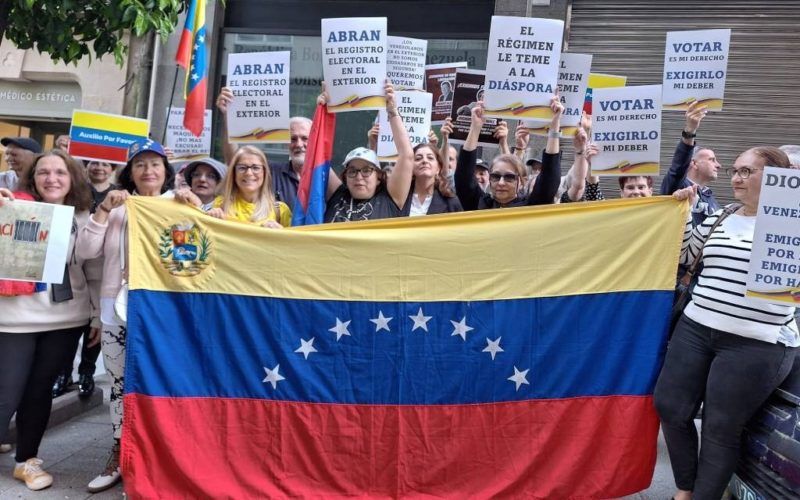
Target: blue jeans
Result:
[732, 376]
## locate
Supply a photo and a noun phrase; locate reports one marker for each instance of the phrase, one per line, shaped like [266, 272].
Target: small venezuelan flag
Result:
[311, 193]
[383, 359]
[196, 84]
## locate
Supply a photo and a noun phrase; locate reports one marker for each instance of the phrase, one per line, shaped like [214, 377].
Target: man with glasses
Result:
[691, 165]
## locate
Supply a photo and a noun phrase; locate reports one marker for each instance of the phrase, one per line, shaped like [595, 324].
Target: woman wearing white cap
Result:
[364, 192]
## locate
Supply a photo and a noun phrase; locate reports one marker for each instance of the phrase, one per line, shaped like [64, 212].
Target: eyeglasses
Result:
[207, 175]
[365, 172]
[242, 168]
[509, 178]
[743, 172]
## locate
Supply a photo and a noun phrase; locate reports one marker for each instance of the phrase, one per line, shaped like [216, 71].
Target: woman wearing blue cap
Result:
[364, 191]
[147, 173]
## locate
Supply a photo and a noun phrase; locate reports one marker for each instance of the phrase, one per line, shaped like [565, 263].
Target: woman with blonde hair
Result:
[246, 194]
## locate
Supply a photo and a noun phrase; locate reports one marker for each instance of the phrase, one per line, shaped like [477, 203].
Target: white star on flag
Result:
[201, 38]
[493, 347]
[273, 377]
[420, 321]
[381, 322]
[195, 77]
[306, 347]
[460, 328]
[519, 377]
[340, 329]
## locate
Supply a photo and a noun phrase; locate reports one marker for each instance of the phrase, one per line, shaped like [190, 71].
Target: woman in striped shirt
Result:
[727, 351]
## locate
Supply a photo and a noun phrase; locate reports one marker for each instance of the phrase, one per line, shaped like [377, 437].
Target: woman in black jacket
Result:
[430, 193]
[507, 171]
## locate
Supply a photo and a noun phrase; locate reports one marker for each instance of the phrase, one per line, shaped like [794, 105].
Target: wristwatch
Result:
[688, 135]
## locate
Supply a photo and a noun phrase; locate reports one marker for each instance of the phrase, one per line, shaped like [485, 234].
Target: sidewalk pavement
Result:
[74, 452]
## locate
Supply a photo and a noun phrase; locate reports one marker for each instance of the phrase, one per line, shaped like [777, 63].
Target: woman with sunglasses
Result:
[246, 193]
[727, 351]
[506, 172]
[364, 191]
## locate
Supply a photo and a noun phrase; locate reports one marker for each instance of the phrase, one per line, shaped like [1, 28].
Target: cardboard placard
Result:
[695, 68]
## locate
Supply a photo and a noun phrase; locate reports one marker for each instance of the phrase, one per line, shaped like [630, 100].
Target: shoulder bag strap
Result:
[733, 207]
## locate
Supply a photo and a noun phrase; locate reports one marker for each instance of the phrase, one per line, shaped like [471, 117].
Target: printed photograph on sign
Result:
[184, 144]
[469, 89]
[522, 67]
[354, 63]
[415, 110]
[775, 258]
[440, 81]
[405, 65]
[95, 136]
[695, 68]
[34, 241]
[626, 127]
[259, 112]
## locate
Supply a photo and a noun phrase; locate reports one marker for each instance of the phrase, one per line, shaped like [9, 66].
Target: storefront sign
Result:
[695, 67]
[39, 100]
[354, 62]
[522, 67]
[259, 112]
[775, 259]
[627, 130]
[415, 110]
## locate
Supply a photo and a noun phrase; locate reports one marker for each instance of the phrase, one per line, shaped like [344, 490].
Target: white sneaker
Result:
[5, 447]
[110, 476]
[32, 474]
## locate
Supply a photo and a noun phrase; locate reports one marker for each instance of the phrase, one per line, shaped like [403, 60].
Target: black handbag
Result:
[687, 282]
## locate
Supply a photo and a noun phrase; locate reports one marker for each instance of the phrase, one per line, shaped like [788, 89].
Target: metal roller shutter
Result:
[762, 91]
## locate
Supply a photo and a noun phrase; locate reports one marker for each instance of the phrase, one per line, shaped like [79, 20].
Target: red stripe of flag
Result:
[105, 153]
[184, 53]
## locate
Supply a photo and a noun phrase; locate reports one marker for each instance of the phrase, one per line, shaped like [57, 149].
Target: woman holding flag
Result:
[364, 191]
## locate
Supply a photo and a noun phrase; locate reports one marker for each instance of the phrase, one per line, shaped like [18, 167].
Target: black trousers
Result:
[732, 376]
[29, 365]
[89, 356]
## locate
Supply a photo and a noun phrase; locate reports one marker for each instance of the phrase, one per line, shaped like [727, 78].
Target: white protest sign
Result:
[573, 80]
[775, 259]
[415, 110]
[405, 65]
[627, 130]
[34, 241]
[522, 67]
[354, 62]
[259, 112]
[184, 144]
[695, 67]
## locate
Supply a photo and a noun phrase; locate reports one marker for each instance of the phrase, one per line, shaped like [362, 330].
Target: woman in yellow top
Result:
[246, 193]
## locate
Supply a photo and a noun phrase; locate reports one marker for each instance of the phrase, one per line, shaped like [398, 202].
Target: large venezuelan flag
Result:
[507, 353]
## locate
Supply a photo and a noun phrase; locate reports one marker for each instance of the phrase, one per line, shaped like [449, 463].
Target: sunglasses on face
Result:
[508, 177]
[365, 172]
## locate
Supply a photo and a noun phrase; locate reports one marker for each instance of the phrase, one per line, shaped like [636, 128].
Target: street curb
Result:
[65, 407]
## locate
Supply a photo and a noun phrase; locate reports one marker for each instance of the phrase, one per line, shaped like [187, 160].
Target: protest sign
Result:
[259, 112]
[405, 64]
[34, 241]
[627, 130]
[466, 94]
[695, 67]
[184, 144]
[440, 81]
[601, 81]
[415, 110]
[354, 62]
[775, 259]
[573, 79]
[103, 136]
[522, 66]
